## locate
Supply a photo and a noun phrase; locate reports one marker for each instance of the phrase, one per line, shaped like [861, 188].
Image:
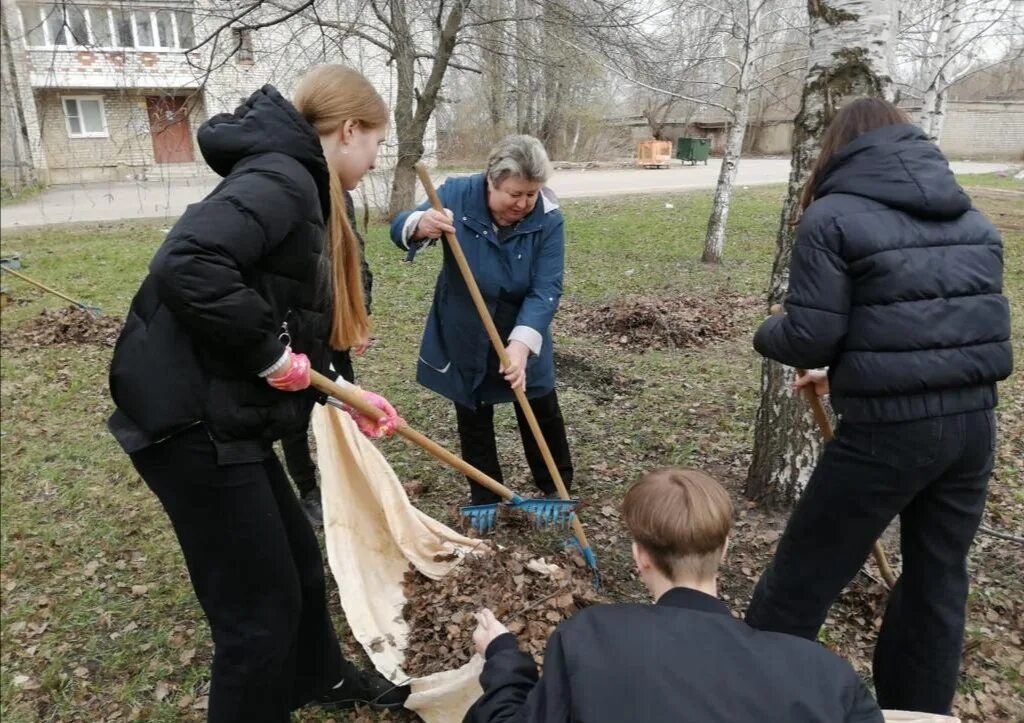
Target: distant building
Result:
[106, 91]
[973, 130]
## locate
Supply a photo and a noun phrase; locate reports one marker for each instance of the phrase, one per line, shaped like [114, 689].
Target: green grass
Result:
[81, 533]
[991, 180]
[9, 195]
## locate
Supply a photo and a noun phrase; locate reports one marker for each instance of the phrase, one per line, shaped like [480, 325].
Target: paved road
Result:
[167, 199]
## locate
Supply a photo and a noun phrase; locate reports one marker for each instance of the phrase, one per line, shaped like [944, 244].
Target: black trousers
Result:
[934, 475]
[479, 448]
[256, 568]
[297, 457]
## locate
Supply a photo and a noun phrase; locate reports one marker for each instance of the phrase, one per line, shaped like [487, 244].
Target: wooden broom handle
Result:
[355, 400]
[499, 348]
[825, 425]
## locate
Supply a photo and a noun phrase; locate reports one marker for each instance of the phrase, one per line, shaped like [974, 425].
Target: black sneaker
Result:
[310, 502]
[361, 687]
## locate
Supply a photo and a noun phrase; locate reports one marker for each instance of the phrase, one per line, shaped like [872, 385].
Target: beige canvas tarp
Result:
[373, 533]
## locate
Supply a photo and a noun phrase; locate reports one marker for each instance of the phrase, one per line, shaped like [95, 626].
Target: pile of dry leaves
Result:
[682, 321]
[70, 325]
[524, 594]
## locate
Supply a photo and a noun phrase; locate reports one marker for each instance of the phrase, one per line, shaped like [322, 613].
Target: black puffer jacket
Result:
[896, 286]
[238, 269]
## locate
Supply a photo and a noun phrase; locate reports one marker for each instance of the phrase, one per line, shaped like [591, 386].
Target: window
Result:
[56, 28]
[165, 30]
[243, 44]
[35, 32]
[99, 26]
[144, 35]
[186, 30]
[55, 25]
[76, 25]
[85, 117]
[67, 25]
[122, 28]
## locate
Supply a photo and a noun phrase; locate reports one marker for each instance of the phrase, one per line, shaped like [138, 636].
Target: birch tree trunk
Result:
[748, 64]
[851, 54]
[939, 116]
[714, 240]
[933, 105]
[575, 141]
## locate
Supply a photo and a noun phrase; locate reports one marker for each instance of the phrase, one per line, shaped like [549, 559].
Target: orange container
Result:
[654, 154]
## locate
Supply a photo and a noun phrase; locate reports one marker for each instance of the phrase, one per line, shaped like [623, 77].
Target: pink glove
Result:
[372, 428]
[296, 378]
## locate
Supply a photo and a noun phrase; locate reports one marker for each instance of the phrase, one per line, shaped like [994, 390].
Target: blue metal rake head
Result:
[543, 512]
[94, 310]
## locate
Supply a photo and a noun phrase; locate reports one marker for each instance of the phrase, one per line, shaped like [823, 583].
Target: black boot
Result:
[364, 687]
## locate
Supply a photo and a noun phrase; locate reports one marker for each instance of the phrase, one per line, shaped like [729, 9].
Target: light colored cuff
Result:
[276, 365]
[531, 337]
[410, 227]
[344, 383]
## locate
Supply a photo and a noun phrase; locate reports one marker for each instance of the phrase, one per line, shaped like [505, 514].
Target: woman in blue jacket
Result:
[511, 231]
[896, 287]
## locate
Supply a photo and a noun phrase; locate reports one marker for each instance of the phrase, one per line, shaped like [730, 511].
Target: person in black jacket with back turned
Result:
[213, 365]
[685, 659]
[896, 287]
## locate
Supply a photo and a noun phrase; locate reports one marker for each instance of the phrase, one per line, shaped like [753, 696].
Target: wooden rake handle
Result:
[825, 425]
[44, 287]
[352, 398]
[499, 348]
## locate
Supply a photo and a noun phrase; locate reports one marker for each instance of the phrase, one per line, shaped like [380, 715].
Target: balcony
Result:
[103, 46]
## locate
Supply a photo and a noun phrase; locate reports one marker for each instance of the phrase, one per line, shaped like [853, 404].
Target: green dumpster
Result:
[693, 149]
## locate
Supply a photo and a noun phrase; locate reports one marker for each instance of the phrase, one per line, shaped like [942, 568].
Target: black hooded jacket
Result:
[896, 286]
[239, 270]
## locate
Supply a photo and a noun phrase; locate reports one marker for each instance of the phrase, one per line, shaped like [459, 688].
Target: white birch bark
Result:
[851, 54]
[933, 105]
[714, 240]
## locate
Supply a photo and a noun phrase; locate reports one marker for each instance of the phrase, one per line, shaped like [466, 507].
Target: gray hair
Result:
[520, 156]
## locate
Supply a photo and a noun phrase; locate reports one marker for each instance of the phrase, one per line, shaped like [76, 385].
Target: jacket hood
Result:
[900, 167]
[266, 123]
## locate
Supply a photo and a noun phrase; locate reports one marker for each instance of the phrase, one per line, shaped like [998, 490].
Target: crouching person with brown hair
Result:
[685, 658]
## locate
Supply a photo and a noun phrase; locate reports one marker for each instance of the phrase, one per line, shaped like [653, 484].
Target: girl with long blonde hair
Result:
[252, 288]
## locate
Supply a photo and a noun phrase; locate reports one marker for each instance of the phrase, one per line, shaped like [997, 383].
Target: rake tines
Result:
[547, 512]
[543, 513]
[480, 517]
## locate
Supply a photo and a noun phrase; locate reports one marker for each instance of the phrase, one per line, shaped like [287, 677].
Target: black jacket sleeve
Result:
[200, 271]
[818, 302]
[512, 691]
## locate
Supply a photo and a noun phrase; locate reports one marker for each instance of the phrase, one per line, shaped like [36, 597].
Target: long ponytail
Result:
[327, 97]
[350, 324]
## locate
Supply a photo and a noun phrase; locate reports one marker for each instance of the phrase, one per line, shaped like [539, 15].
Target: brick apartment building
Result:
[104, 91]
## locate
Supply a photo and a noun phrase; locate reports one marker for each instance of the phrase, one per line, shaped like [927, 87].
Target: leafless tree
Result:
[943, 42]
